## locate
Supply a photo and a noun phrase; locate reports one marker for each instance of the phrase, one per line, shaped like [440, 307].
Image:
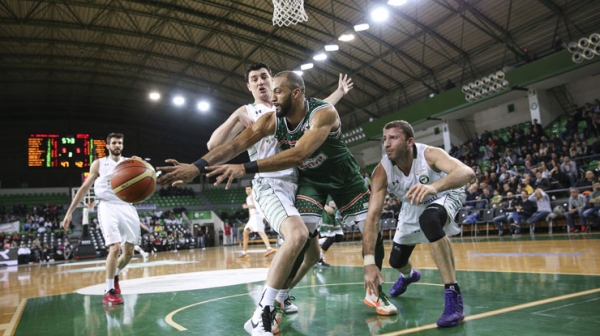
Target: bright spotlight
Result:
[396, 2]
[332, 47]
[203, 106]
[361, 27]
[306, 66]
[178, 100]
[346, 37]
[320, 57]
[154, 96]
[298, 72]
[380, 14]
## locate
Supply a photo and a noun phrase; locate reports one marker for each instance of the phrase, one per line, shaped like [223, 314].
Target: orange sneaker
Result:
[381, 303]
[270, 252]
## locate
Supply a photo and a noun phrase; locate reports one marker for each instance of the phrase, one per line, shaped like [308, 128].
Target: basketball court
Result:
[537, 285]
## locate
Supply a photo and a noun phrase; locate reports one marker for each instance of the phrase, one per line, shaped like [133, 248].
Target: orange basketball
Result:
[133, 181]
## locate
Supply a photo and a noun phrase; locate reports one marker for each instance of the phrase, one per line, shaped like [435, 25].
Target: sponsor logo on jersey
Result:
[424, 179]
[313, 162]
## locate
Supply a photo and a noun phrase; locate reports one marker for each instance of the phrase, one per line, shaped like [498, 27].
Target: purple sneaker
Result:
[453, 309]
[400, 285]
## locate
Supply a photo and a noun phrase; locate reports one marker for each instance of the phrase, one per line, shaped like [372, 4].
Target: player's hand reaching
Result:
[66, 221]
[178, 173]
[373, 279]
[345, 84]
[228, 171]
[417, 193]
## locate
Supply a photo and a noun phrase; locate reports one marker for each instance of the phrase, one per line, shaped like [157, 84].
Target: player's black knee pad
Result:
[400, 255]
[299, 260]
[338, 238]
[432, 222]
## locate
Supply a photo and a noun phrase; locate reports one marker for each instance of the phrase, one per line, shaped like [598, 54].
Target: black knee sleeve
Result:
[379, 251]
[327, 243]
[299, 260]
[338, 238]
[400, 255]
[432, 222]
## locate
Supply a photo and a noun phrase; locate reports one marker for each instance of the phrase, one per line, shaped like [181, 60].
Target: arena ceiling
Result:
[97, 60]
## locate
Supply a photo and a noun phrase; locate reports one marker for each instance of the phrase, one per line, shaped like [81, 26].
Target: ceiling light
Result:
[306, 66]
[396, 2]
[203, 106]
[332, 47]
[178, 100]
[346, 37]
[361, 27]
[320, 57]
[154, 96]
[298, 72]
[379, 14]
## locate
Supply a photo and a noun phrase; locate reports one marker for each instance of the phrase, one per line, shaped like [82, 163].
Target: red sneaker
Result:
[111, 298]
[117, 287]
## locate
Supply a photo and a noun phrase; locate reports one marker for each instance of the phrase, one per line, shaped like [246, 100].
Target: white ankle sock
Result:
[282, 295]
[110, 284]
[268, 297]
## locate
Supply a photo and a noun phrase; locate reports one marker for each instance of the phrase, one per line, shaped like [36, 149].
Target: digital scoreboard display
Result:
[70, 151]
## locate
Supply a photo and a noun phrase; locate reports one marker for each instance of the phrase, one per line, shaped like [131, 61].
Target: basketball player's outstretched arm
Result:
[83, 190]
[321, 124]
[379, 186]
[344, 86]
[458, 175]
[181, 173]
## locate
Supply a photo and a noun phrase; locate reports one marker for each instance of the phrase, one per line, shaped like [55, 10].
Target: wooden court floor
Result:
[530, 285]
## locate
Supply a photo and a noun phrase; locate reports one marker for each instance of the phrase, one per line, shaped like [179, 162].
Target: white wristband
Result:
[369, 259]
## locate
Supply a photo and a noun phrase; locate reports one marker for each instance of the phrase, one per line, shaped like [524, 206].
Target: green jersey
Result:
[330, 170]
[331, 154]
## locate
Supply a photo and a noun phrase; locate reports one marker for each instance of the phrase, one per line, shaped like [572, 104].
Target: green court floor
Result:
[330, 303]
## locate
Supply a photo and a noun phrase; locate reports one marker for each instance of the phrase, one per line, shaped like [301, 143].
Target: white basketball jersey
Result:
[267, 147]
[102, 187]
[398, 184]
[252, 211]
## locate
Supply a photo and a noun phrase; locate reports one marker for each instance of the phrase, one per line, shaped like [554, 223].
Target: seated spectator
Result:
[509, 207]
[506, 189]
[472, 196]
[577, 205]
[541, 182]
[571, 128]
[593, 213]
[543, 206]
[587, 181]
[524, 209]
[496, 200]
[47, 253]
[484, 199]
[569, 168]
[24, 254]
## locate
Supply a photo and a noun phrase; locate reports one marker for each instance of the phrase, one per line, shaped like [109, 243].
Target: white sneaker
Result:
[263, 322]
[287, 307]
[145, 255]
[381, 303]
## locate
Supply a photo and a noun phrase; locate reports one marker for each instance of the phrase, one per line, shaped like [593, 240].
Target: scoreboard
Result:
[64, 151]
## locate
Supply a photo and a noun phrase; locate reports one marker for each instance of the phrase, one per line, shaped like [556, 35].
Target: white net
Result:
[287, 12]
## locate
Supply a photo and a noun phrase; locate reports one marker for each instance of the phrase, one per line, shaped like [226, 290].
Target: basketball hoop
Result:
[287, 12]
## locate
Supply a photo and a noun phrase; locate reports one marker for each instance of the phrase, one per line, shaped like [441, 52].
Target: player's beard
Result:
[116, 153]
[285, 106]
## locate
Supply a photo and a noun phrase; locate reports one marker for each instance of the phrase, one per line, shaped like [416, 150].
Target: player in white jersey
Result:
[274, 192]
[429, 182]
[119, 221]
[255, 224]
